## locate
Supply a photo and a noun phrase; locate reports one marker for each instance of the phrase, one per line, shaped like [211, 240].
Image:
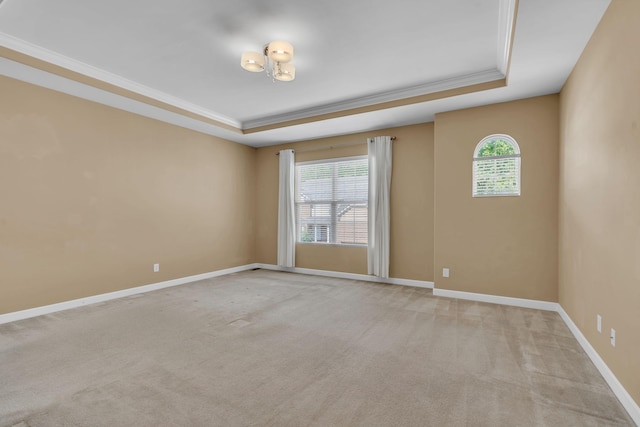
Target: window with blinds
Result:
[496, 167]
[331, 201]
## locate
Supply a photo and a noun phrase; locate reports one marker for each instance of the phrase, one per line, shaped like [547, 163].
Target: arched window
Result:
[496, 167]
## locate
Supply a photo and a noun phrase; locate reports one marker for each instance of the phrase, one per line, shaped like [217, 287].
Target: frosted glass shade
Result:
[252, 61]
[280, 51]
[285, 72]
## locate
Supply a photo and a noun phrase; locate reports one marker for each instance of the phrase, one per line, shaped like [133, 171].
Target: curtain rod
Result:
[330, 147]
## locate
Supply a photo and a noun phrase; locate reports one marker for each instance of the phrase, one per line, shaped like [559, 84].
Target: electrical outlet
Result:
[445, 272]
[613, 337]
[156, 268]
[599, 323]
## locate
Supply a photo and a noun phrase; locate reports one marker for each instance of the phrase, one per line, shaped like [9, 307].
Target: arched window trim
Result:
[476, 160]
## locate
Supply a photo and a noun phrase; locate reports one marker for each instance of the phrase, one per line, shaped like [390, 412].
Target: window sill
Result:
[349, 245]
[494, 195]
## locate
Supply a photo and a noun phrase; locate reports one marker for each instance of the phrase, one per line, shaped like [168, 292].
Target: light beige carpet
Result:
[264, 348]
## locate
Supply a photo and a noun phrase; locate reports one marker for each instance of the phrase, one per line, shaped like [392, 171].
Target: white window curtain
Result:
[379, 205]
[286, 211]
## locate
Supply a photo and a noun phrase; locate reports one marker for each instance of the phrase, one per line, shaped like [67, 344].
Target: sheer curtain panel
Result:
[286, 211]
[379, 205]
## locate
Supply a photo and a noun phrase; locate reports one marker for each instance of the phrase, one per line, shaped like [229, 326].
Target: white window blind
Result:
[331, 201]
[496, 167]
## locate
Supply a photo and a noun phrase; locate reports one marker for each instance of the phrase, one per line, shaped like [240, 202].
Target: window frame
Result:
[518, 156]
[332, 227]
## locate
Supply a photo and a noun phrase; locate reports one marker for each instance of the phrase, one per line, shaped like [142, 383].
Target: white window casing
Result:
[496, 167]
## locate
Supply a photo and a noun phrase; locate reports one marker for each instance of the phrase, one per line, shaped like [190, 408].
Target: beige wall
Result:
[411, 247]
[91, 197]
[498, 245]
[600, 192]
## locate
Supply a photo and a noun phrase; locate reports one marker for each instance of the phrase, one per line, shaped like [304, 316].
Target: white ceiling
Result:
[348, 54]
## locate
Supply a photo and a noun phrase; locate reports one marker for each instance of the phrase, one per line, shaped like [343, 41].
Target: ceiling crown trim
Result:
[507, 13]
[378, 98]
[47, 56]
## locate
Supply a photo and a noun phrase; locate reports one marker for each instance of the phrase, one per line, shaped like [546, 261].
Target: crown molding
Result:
[506, 26]
[378, 98]
[54, 58]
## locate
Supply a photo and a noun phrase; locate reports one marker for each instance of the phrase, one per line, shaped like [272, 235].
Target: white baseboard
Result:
[495, 299]
[352, 276]
[66, 305]
[625, 398]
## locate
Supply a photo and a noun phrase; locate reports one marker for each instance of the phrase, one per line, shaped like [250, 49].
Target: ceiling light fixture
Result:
[275, 58]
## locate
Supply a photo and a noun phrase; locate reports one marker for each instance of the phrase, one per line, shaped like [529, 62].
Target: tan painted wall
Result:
[411, 205]
[600, 192]
[498, 245]
[91, 197]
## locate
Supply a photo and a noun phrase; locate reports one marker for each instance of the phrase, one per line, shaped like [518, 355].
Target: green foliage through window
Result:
[496, 147]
